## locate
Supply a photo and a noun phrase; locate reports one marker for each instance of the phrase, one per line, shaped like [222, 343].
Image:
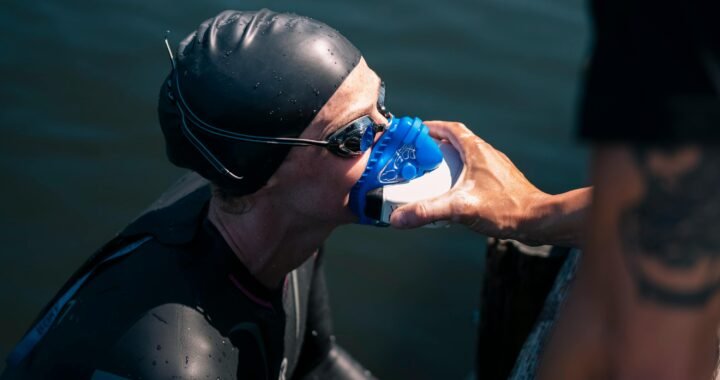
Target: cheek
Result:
[340, 175]
[325, 179]
[354, 169]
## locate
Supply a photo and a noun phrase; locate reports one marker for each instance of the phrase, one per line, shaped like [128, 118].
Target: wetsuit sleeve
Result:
[321, 357]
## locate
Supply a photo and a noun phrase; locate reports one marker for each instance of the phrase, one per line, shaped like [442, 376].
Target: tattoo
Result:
[671, 237]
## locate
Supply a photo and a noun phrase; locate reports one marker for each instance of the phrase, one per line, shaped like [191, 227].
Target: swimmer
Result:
[222, 276]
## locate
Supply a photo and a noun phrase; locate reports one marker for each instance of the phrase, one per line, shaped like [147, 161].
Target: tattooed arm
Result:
[645, 304]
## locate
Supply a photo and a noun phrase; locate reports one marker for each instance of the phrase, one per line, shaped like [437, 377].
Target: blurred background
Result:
[81, 153]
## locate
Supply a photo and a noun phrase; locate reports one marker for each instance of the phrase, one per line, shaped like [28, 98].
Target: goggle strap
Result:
[204, 151]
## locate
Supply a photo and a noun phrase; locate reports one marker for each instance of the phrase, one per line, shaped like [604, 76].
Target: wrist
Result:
[534, 216]
[555, 219]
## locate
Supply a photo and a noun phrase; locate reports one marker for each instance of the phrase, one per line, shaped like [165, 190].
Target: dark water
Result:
[81, 153]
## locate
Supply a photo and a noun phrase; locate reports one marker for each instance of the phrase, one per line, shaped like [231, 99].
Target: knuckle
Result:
[458, 126]
[422, 210]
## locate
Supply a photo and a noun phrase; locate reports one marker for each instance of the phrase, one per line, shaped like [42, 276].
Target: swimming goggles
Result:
[351, 140]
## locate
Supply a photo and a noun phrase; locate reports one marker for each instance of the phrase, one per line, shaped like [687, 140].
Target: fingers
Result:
[462, 138]
[421, 213]
[449, 130]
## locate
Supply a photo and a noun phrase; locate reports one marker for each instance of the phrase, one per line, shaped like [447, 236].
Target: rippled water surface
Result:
[81, 153]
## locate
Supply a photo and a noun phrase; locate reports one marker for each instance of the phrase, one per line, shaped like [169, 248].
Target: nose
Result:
[381, 120]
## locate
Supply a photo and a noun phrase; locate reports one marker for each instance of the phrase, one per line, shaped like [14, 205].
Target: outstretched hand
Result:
[491, 196]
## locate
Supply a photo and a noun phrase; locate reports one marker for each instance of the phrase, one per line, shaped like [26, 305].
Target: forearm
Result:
[556, 219]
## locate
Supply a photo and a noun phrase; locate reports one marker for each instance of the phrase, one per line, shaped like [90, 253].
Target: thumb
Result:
[418, 214]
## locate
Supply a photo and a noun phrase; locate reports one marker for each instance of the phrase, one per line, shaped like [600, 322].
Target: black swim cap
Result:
[257, 73]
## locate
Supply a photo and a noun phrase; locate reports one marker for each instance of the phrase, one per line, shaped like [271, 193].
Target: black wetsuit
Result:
[180, 305]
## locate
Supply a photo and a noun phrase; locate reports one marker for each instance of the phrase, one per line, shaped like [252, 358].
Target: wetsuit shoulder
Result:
[174, 341]
[176, 333]
[139, 318]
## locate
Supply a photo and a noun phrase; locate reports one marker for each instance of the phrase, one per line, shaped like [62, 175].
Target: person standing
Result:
[645, 301]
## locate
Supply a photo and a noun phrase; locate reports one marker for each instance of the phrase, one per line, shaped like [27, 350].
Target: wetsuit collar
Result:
[229, 265]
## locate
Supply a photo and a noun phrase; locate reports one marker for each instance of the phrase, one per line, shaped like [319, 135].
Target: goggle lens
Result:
[368, 138]
[355, 138]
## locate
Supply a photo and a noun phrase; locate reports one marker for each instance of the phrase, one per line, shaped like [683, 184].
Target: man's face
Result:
[320, 181]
